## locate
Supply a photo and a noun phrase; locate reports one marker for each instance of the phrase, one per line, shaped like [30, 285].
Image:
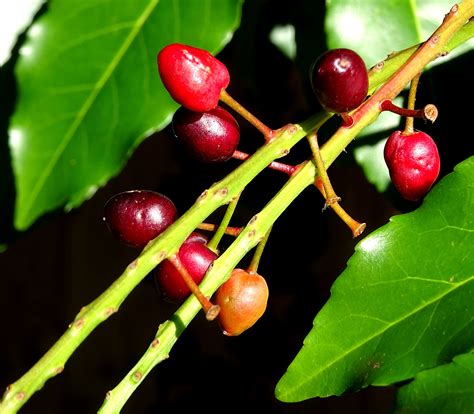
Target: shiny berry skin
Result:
[138, 216]
[339, 80]
[413, 163]
[193, 77]
[210, 136]
[196, 258]
[243, 300]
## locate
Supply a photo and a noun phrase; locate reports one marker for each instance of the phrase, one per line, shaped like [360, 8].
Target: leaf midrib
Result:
[376, 334]
[83, 111]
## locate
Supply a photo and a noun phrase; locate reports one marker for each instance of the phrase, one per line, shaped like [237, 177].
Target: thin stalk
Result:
[409, 122]
[253, 266]
[231, 231]
[214, 242]
[267, 132]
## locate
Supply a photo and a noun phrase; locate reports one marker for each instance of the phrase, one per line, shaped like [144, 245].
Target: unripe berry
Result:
[210, 136]
[243, 300]
[339, 80]
[413, 163]
[138, 216]
[192, 76]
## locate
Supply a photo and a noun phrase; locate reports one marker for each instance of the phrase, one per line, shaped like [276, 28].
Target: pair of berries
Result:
[340, 83]
[136, 217]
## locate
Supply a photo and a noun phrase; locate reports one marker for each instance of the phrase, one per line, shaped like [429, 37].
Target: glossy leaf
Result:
[15, 16]
[376, 28]
[89, 91]
[402, 305]
[445, 389]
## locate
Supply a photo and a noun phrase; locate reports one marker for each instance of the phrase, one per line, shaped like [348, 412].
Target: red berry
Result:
[210, 136]
[138, 216]
[413, 162]
[243, 300]
[192, 76]
[339, 80]
[196, 258]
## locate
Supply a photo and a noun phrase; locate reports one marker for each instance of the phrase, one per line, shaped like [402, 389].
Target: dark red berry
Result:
[210, 136]
[242, 300]
[138, 216]
[339, 80]
[413, 162]
[192, 76]
[196, 258]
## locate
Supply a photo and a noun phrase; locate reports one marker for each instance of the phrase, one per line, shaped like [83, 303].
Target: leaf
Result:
[376, 28]
[369, 154]
[370, 158]
[283, 37]
[445, 389]
[90, 91]
[14, 18]
[402, 305]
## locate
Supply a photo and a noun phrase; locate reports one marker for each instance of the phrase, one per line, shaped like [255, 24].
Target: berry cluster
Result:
[209, 133]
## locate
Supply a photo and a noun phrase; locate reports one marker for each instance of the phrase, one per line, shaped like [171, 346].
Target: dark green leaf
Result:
[446, 389]
[89, 91]
[402, 305]
[376, 28]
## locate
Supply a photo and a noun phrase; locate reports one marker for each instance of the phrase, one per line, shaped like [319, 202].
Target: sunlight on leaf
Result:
[403, 304]
[89, 91]
[15, 16]
[376, 28]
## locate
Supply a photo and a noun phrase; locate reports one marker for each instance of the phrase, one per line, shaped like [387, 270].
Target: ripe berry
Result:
[138, 216]
[196, 258]
[192, 76]
[339, 80]
[413, 162]
[243, 300]
[210, 136]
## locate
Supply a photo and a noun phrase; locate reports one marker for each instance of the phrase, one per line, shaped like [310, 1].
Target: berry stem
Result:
[253, 266]
[267, 132]
[214, 242]
[409, 122]
[323, 184]
[329, 193]
[231, 231]
[210, 309]
[274, 165]
[428, 112]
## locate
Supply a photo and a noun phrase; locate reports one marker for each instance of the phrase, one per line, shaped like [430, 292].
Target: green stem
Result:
[214, 242]
[409, 121]
[219, 194]
[253, 266]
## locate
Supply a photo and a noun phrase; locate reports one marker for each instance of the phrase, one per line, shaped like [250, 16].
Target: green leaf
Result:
[370, 158]
[369, 152]
[446, 389]
[402, 305]
[90, 91]
[14, 18]
[376, 28]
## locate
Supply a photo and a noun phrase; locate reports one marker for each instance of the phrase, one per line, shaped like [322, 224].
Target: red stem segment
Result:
[275, 165]
[428, 112]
